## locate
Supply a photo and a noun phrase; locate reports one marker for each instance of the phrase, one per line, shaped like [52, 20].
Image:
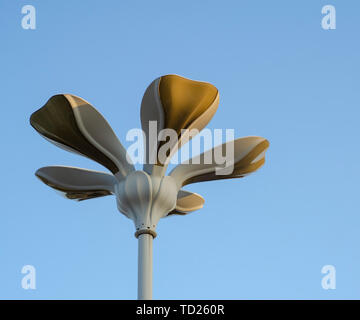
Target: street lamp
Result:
[145, 196]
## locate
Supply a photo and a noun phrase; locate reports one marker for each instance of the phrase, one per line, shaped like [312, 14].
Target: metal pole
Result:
[145, 266]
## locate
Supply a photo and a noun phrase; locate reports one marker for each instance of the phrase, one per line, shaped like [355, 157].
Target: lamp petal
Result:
[248, 156]
[76, 183]
[73, 124]
[187, 202]
[175, 103]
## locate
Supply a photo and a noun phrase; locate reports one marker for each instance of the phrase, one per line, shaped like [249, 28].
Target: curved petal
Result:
[76, 183]
[187, 202]
[175, 103]
[249, 155]
[73, 124]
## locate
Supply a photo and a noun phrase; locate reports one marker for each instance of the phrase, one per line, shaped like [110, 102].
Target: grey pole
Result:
[145, 266]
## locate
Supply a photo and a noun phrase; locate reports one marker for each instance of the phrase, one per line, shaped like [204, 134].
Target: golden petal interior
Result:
[242, 168]
[184, 100]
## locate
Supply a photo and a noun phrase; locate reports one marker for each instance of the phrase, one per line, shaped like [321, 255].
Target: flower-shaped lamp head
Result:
[145, 196]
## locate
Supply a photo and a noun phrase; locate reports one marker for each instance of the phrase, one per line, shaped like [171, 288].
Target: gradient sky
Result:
[280, 76]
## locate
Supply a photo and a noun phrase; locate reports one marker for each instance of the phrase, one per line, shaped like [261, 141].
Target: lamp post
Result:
[144, 196]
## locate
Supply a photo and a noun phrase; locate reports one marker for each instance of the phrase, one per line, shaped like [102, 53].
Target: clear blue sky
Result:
[280, 76]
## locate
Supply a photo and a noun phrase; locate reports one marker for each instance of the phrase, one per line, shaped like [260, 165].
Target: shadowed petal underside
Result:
[77, 183]
[73, 124]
